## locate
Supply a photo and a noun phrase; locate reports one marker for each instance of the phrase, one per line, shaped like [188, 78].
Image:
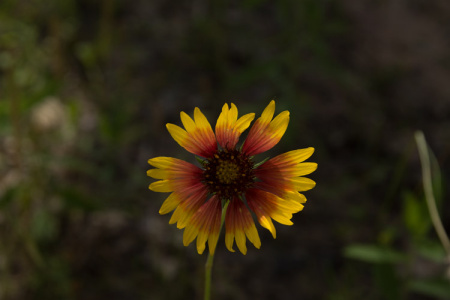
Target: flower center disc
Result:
[228, 173]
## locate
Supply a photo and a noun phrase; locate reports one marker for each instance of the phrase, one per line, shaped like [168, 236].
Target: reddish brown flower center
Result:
[228, 173]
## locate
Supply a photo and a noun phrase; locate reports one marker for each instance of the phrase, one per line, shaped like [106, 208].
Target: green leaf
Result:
[373, 254]
[432, 251]
[415, 215]
[261, 162]
[201, 161]
[439, 288]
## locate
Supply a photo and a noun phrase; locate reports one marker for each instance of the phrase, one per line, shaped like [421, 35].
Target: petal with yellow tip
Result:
[197, 137]
[170, 203]
[267, 206]
[239, 224]
[265, 132]
[205, 225]
[229, 127]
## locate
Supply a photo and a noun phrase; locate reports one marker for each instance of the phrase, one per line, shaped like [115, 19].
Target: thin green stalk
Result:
[208, 271]
[210, 261]
[428, 188]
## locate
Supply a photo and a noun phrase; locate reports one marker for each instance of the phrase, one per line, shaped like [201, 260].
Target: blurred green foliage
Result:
[424, 258]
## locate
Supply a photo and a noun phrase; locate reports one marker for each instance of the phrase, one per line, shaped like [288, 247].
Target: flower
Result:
[229, 180]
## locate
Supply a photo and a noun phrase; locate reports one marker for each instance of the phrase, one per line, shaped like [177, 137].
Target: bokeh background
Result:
[86, 88]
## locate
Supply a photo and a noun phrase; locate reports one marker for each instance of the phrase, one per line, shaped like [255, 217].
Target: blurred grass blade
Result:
[428, 188]
[436, 177]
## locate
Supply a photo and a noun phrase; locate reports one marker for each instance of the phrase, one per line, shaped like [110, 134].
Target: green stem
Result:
[208, 271]
[210, 261]
[428, 188]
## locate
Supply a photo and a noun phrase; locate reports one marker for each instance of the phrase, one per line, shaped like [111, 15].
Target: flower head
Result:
[229, 180]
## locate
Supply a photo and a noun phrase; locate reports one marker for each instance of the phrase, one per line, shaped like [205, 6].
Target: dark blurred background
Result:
[87, 88]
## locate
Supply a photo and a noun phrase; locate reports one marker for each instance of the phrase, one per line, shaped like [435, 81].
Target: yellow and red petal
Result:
[173, 167]
[205, 225]
[184, 181]
[182, 185]
[176, 174]
[185, 201]
[189, 204]
[300, 184]
[229, 127]
[265, 132]
[289, 159]
[197, 137]
[239, 224]
[267, 206]
[281, 174]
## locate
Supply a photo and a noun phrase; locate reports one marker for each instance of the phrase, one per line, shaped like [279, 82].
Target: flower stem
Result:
[208, 269]
[210, 261]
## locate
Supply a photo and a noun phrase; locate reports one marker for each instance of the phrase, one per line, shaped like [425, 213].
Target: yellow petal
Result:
[300, 155]
[294, 196]
[169, 204]
[183, 218]
[302, 184]
[303, 169]
[189, 234]
[158, 173]
[162, 162]
[162, 186]
[267, 223]
[176, 215]
[212, 242]
[268, 112]
[240, 241]
[282, 219]
[280, 124]
[229, 239]
[243, 122]
[201, 121]
[223, 117]
[289, 205]
[232, 114]
[225, 109]
[253, 236]
[201, 241]
[188, 123]
[178, 134]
